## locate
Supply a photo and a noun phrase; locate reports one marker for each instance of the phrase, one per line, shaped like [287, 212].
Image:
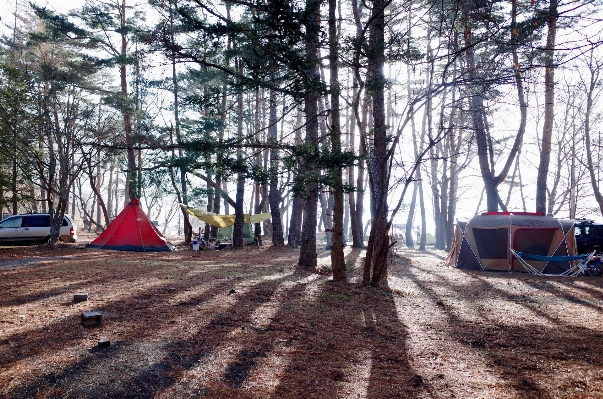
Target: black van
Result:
[589, 236]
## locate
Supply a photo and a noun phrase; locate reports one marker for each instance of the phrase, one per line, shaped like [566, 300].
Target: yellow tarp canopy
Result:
[223, 220]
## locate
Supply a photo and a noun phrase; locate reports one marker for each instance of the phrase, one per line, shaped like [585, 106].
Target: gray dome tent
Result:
[484, 242]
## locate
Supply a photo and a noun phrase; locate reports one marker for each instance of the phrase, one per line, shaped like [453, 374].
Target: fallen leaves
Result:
[248, 324]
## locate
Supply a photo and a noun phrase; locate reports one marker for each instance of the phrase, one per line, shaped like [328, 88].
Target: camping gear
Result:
[580, 265]
[225, 223]
[595, 268]
[226, 232]
[485, 242]
[224, 220]
[132, 230]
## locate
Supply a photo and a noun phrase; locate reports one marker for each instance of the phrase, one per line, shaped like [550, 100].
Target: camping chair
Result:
[580, 267]
[595, 268]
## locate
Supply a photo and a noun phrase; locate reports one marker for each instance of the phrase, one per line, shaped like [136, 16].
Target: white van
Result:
[34, 227]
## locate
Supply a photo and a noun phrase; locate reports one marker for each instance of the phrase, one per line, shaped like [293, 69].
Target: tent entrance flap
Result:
[492, 243]
[533, 241]
[226, 232]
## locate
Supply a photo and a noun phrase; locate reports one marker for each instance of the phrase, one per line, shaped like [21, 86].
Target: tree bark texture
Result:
[337, 258]
[182, 191]
[307, 254]
[549, 109]
[131, 186]
[237, 229]
[478, 116]
[295, 222]
[274, 195]
[375, 267]
[595, 71]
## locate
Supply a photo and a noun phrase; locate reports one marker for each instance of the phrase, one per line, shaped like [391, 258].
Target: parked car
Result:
[34, 227]
[589, 236]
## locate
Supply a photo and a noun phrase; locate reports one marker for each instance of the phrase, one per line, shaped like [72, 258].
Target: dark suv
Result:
[589, 236]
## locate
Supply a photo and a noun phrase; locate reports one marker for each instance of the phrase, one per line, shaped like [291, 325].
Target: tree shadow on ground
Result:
[209, 328]
[521, 356]
[134, 322]
[347, 339]
[352, 342]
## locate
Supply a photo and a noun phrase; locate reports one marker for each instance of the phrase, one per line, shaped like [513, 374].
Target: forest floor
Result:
[248, 324]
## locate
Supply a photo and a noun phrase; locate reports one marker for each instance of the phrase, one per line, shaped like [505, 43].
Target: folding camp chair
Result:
[593, 269]
[580, 267]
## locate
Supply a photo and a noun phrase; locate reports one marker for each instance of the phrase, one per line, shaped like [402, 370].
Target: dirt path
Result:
[31, 262]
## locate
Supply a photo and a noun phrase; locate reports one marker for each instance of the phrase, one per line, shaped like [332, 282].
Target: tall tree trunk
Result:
[295, 221]
[595, 71]
[375, 267]
[449, 184]
[41, 167]
[131, 186]
[442, 240]
[307, 255]
[98, 199]
[423, 232]
[182, 191]
[116, 202]
[59, 167]
[99, 182]
[573, 189]
[359, 118]
[72, 213]
[434, 151]
[408, 233]
[258, 203]
[109, 191]
[294, 233]
[208, 233]
[353, 225]
[549, 108]
[455, 148]
[478, 118]
[274, 196]
[237, 229]
[523, 105]
[443, 244]
[326, 218]
[360, 180]
[337, 259]
[217, 195]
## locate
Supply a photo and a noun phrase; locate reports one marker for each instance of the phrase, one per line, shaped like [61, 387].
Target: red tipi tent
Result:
[132, 230]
